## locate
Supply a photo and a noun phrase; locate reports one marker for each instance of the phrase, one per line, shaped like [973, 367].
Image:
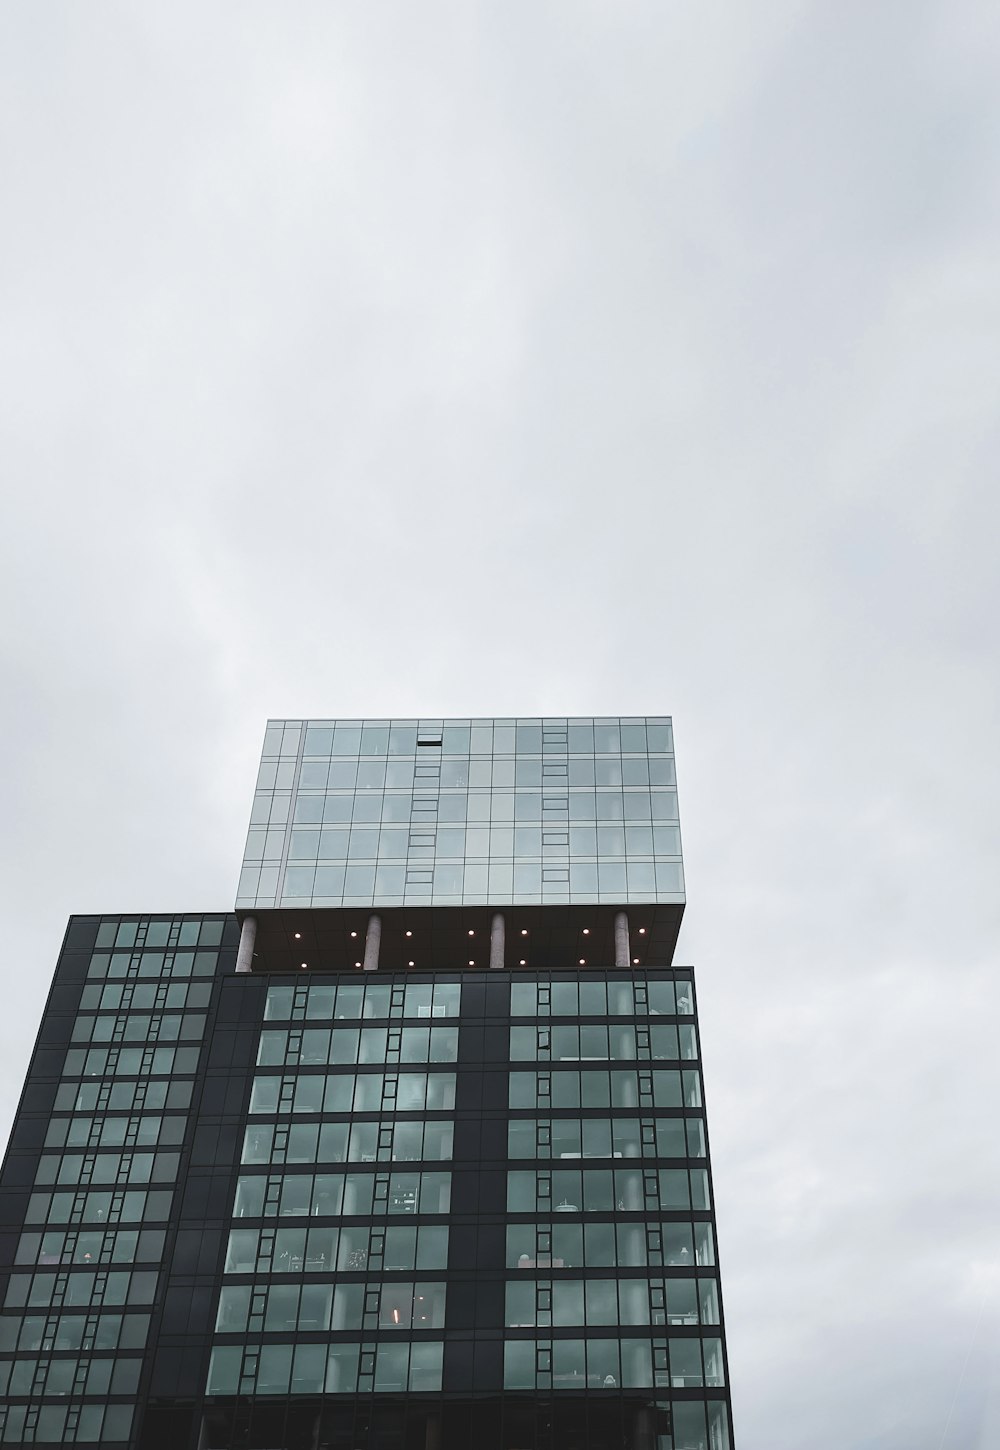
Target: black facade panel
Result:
[408, 1239]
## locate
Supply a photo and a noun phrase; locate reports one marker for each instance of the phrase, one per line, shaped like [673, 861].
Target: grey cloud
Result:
[483, 358]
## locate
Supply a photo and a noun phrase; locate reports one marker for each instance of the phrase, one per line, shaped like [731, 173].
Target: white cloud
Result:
[517, 358]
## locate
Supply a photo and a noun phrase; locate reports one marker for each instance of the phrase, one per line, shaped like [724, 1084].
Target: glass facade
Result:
[464, 812]
[90, 1181]
[276, 1204]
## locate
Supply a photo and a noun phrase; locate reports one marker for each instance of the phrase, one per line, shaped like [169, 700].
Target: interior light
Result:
[298, 936]
[395, 1316]
[471, 932]
[353, 933]
[635, 961]
[409, 933]
[472, 964]
[357, 964]
[524, 931]
[305, 964]
[583, 961]
[409, 964]
[586, 931]
[523, 963]
[642, 931]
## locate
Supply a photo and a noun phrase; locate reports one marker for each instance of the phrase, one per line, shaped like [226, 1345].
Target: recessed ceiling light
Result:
[472, 964]
[586, 931]
[409, 933]
[635, 961]
[409, 964]
[353, 933]
[642, 931]
[357, 964]
[524, 931]
[305, 964]
[298, 936]
[523, 963]
[583, 961]
[471, 932]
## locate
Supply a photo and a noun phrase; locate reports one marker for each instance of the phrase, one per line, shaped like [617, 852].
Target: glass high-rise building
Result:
[406, 1153]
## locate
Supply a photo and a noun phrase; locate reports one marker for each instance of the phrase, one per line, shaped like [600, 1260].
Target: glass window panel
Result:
[520, 1303]
[332, 1142]
[678, 1245]
[567, 1304]
[448, 878]
[289, 1251]
[581, 737]
[452, 808]
[638, 840]
[358, 1190]
[581, 772]
[685, 1363]
[637, 1364]
[564, 999]
[303, 1138]
[359, 881]
[333, 846]
[527, 806]
[568, 1364]
[342, 1368]
[367, 810]
[597, 1138]
[603, 1368]
[595, 1091]
[519, 1364]
[257, 1141]
[641, 878]
[234, 1308]
[607, 740]
[249, 1198]
[401, 1248]
[241, 1252]
[666, 1089]
[274, 1369]
[348, 1306]
[664, 805]
[432, 1247]
[308, 1369]
[661, 998]
[608, 772]
[339, 1093]
[611, 842]
[583, 878]
[402, 739]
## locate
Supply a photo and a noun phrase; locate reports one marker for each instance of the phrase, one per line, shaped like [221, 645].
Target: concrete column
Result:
[496, 940]
[248, 935]
[623, 954]
[373, 940]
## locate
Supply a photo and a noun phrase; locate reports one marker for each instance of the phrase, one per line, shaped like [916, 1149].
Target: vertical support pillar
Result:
[373, 940]
[497, 941]
[248, 935]
[623, 953]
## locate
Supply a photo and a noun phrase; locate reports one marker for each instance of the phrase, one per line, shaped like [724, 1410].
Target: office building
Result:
[406, 1153]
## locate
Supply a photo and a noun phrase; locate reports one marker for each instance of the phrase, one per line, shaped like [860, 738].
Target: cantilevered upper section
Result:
[504, 812]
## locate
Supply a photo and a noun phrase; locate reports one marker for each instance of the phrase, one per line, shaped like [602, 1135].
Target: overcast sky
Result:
[571, 358]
